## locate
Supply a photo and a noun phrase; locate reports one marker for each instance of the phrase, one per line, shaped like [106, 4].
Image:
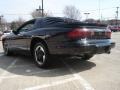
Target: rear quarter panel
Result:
[53, 36]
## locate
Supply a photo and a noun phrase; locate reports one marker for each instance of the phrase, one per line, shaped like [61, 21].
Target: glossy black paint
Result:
[53, 32]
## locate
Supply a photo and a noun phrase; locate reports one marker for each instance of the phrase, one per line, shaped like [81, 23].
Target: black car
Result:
[43, 37]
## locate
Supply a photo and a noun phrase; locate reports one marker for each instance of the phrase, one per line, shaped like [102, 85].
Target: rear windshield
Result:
[53, 22]
[67, 23]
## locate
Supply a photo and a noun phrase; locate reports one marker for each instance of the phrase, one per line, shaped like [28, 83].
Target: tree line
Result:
[69, 12]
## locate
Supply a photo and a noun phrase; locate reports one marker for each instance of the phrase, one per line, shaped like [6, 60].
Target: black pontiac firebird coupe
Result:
[56, 35]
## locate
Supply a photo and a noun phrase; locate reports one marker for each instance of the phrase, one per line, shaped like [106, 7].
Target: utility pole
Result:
[1, 19]
[86, 15]
[41, 9]
[99, 7]
[117, 15]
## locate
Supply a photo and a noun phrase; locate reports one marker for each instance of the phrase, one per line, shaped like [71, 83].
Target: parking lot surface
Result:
[102, 72]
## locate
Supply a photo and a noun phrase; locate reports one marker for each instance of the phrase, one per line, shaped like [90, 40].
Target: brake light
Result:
[108, 34]
[79, 33]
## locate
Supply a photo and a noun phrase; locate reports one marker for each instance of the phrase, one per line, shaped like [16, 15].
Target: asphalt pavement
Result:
[102, 72]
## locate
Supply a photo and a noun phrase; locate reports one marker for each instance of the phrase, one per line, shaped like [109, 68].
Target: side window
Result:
[27, 27]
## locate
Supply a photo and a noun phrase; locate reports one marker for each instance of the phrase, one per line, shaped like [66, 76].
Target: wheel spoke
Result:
[40, 55]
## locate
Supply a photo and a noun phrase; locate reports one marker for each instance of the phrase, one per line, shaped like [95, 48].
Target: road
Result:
[102, 72]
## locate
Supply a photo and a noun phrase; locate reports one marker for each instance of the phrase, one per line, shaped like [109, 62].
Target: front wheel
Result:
[40, 55]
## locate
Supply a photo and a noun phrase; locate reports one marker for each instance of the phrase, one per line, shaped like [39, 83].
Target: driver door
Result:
[21, 38]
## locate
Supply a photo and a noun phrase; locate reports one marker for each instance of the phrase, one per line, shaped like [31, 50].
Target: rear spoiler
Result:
[82, 24]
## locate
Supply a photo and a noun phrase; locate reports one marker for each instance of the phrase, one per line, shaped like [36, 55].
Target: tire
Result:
[6, 50]
[86, 57]
[40, 55]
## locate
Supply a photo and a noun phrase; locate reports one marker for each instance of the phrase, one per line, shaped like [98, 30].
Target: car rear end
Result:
[90, 38]
[87, 39]
[77, 38]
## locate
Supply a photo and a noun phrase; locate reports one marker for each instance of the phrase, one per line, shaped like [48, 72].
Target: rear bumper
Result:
[99, 48]
[84, 47]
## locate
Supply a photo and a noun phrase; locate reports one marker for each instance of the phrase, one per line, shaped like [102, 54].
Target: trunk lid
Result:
[89, 31]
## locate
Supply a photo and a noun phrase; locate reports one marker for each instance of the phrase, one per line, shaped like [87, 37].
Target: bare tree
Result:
[72, 12]
[38, 13]
[2, 23]
[15, 24]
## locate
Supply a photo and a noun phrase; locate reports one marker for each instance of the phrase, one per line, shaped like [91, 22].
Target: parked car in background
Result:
[114, 28]
[43, 37]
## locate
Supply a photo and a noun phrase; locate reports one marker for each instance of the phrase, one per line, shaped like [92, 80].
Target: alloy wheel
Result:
[40, 55]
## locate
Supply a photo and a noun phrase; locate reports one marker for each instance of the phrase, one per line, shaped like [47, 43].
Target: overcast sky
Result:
[13, 9]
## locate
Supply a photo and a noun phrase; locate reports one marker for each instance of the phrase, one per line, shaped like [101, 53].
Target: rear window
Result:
[53, 22]
[65, 23]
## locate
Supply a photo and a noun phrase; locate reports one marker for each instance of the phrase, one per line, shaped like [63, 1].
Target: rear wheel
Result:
[86, 57]
[40, 55]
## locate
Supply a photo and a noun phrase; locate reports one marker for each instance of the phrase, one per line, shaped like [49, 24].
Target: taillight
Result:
[79, 33]
[108, 34]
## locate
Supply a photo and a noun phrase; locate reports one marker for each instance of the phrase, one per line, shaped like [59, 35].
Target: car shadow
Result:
[25, 66]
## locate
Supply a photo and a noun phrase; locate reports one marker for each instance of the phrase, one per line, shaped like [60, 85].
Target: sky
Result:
[14, 9]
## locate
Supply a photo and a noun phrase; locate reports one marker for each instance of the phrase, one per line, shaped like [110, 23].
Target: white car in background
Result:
[6, 32]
